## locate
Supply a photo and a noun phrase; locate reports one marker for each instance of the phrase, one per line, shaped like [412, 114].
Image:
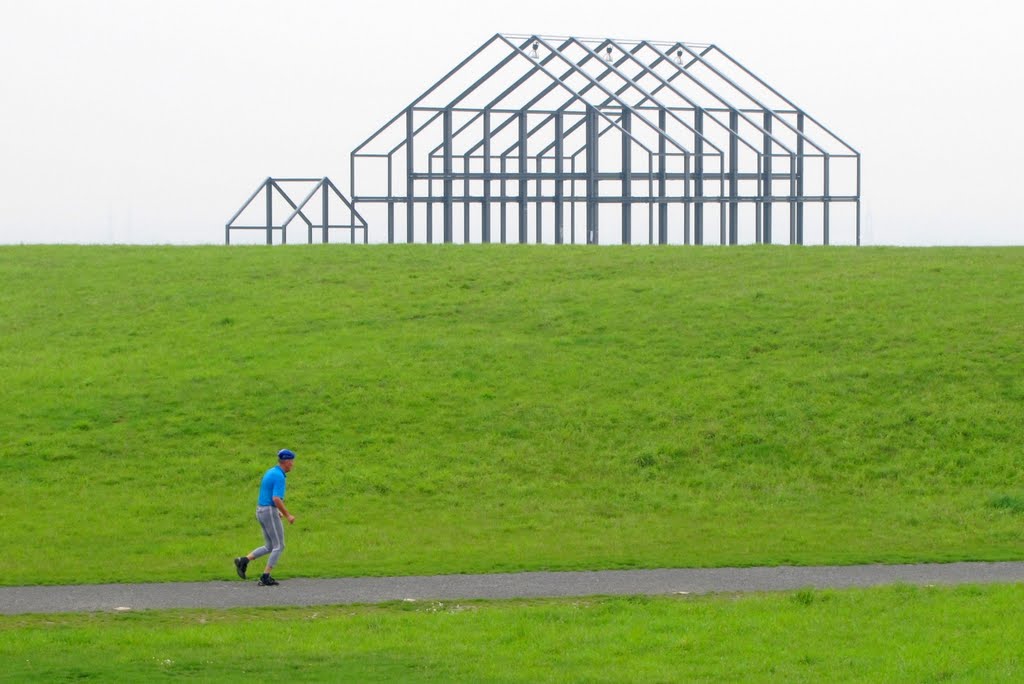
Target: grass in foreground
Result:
[889, 634]
[476, 409]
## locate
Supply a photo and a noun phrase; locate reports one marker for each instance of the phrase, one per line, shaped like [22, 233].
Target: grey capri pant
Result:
[273, 534]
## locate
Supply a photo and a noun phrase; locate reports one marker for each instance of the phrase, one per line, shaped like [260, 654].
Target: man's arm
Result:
[279, 502]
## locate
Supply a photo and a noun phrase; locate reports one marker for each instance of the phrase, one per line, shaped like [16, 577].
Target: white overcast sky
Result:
[137, 121]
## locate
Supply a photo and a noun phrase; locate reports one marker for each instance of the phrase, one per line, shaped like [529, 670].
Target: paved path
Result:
[310, 592]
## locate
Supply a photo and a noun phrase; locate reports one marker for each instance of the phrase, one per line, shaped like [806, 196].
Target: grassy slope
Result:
[881, 635]
[495, 408]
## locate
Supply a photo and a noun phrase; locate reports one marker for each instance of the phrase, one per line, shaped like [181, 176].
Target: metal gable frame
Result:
[645, 141]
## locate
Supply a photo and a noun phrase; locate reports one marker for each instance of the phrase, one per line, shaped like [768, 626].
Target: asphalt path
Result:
[314, 592]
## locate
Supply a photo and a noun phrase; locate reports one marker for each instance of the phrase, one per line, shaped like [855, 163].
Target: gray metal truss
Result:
[537, 139]
[272, 188]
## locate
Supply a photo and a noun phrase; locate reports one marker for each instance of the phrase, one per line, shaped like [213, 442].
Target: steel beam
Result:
[604, 199]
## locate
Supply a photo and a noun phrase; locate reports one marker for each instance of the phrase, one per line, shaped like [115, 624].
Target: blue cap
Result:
[285, 455]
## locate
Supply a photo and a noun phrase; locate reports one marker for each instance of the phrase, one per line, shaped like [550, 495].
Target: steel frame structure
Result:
[275, 187]
[603, 133]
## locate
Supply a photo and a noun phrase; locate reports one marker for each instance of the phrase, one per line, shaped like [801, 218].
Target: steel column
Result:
[352, 213]
[270, 212]
[430, 201]
[410, 184]
[858, 200]
[522, 179]
[465, 200]
[723, 227]
[687, 200]
[503, 218]
[792, 200]
[662, 182]
[391, 194]
[766, 192]
[592, 184]
[627, 179]
[572, 205]
[324, 202]
[827, 203]
[485, 222]
[539, 205]
[698, 189]
[447, 186]
[800, 179]
[559, 171]
[734, 187]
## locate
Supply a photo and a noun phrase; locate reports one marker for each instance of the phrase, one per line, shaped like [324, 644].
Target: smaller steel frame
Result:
[272, 187]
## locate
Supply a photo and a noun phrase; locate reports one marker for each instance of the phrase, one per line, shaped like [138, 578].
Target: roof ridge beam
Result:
[730, 107]
[599, 112]
[537, 98]
[561, 109]
[620, 91]
[639, 115]
[667, 84]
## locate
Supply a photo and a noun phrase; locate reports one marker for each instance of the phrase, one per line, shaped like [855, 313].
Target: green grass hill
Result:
[499, 408]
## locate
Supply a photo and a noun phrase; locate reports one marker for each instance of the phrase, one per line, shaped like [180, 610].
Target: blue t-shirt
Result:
[271, 486]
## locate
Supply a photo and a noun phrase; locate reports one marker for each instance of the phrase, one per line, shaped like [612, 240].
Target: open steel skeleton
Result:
[540, 139]
[276, 187]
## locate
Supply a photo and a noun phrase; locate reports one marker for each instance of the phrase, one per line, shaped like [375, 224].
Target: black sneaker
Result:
[240, 565]
[267, 581]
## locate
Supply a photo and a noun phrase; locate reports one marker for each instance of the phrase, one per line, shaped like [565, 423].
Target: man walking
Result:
[269, 512]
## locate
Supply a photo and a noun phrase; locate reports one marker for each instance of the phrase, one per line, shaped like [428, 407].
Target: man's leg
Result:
[265, 517]
[276, 537]
[242, 563]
